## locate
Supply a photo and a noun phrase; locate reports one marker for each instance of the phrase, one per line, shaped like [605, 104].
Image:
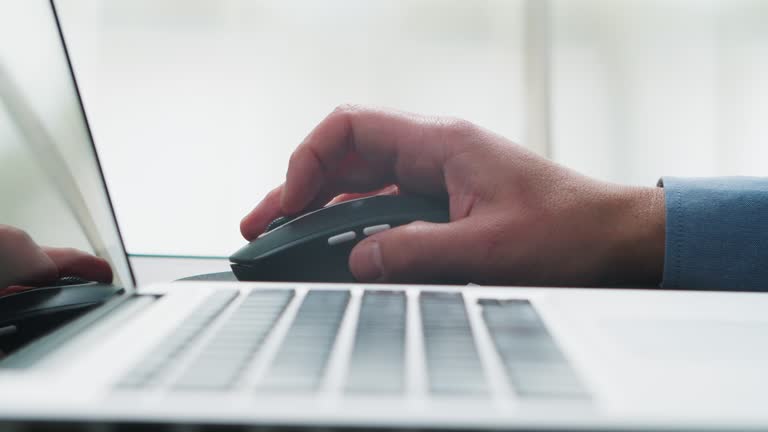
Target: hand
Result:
[516, 218]
[23, 263]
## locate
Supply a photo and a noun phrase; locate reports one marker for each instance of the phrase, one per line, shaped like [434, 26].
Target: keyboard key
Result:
[535, 365]
[453, 365]
[300, 363]
[546, 381]
[378, 356]
[151, 367]
[234, 344]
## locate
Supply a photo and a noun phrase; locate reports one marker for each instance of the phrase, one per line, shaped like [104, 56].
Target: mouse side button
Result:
[342, 238]
[375, 229]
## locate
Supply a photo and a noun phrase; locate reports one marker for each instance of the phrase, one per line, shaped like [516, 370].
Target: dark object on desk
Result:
[32, 312]
[315, 247]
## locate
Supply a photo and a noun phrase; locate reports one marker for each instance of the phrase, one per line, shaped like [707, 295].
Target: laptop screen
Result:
[51, 185]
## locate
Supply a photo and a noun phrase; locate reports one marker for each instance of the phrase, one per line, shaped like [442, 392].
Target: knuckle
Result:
[346, 108]
[344, 111]
[12, 234]
[72, 252]
[404, 248]
[299, 154]
[458, 127]
[294, 155]
[455, 135]
[418, 225]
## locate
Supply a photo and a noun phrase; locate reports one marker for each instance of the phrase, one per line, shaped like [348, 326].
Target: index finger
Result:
[403, 148]
[73, 262]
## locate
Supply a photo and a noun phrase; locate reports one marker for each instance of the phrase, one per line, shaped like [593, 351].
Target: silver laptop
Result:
[312, 356]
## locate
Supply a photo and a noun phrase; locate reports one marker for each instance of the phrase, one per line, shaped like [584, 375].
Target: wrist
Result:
[639, 236]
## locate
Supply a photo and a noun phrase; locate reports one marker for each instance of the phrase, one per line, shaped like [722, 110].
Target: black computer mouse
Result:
[315, 246]
[36, 305]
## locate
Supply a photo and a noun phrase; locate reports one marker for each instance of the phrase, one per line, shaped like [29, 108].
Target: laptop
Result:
[346, 356]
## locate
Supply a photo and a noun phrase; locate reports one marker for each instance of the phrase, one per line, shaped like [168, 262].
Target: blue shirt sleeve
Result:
[716, 233]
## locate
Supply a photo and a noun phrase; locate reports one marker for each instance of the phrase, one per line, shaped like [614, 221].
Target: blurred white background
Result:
[196, 105]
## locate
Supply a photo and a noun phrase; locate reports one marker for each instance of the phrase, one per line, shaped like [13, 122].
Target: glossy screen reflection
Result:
[50, 184]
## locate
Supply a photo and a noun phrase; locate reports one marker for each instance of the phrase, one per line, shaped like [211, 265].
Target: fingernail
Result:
[366, 262]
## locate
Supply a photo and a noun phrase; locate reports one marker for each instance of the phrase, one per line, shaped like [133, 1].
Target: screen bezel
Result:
[132, 278]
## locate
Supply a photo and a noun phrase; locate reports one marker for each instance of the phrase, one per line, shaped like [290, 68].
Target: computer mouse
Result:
[35, 306]
[315, 246]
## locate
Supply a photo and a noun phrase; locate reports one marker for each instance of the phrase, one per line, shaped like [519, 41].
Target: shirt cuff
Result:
[716, 233]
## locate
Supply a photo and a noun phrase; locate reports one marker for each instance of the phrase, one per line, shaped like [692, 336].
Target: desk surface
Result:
[149, 269]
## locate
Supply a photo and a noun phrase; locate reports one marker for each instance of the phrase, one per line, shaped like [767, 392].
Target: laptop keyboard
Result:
[232, 346]
[148, 371]
[301, 361]
[215, 354]
[377, 363]
[453, 364]
[535, 366]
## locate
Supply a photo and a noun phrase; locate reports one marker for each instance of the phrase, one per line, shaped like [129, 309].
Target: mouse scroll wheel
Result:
[278, 223]
[71, 280]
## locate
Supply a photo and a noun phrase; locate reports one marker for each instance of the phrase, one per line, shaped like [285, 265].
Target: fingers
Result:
[13, 289]
[255, 222]
[73, 262]
[419, 251]
[358, 149]
[22, 262]
[389, 190]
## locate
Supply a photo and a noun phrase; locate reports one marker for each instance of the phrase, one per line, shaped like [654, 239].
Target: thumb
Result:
[416, 252]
